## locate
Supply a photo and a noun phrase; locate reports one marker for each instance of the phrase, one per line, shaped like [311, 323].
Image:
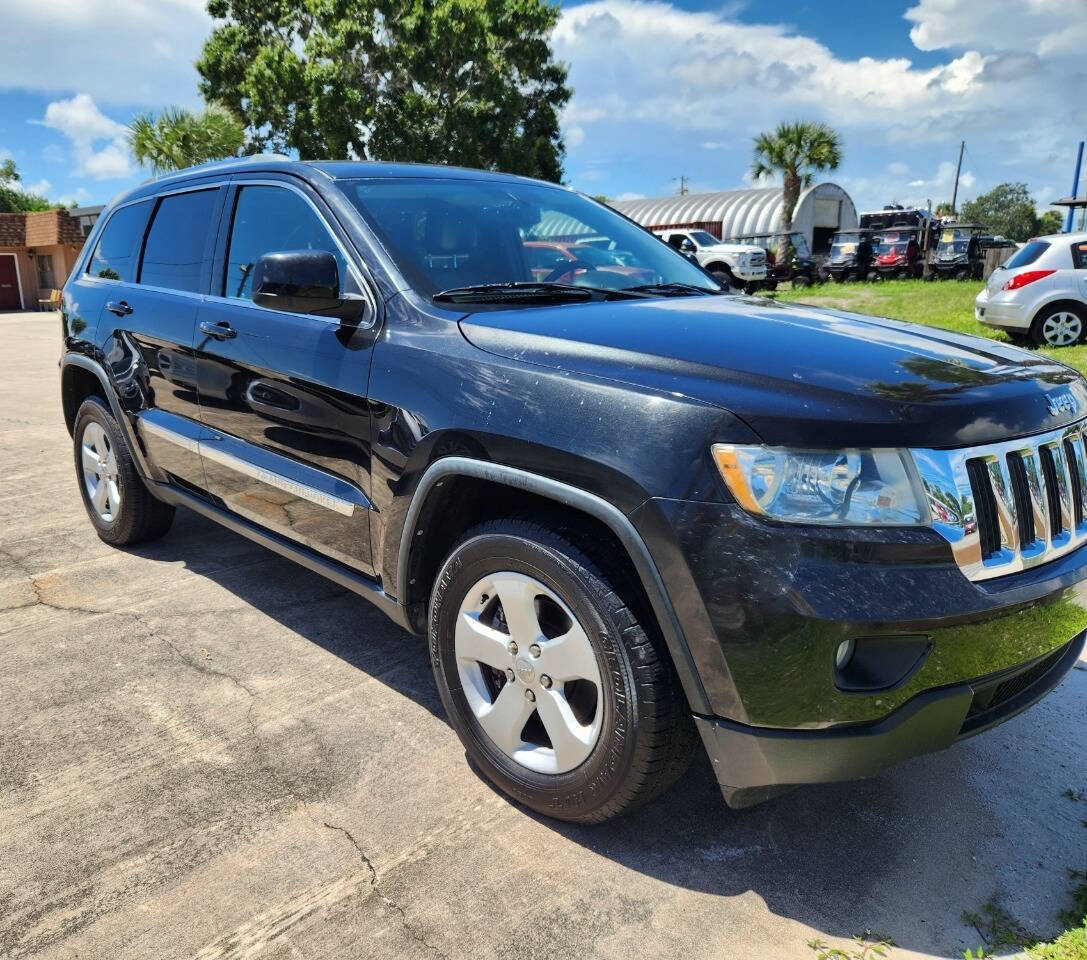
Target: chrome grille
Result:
[1009, 506]
[758, 259]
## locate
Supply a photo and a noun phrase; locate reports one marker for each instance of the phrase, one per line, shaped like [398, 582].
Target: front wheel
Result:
[552, 677]
[726, 279]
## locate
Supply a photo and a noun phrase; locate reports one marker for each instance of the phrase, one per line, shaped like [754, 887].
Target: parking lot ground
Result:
[208, 751]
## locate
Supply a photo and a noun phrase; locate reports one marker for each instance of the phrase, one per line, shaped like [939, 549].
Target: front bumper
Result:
[750, 274]
[765, 606]
[753, 764]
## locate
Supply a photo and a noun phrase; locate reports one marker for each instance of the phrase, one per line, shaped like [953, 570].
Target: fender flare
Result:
[587, 503]
[84, 362]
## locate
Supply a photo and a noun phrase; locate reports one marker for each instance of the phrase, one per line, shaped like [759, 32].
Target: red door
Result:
[9, 284]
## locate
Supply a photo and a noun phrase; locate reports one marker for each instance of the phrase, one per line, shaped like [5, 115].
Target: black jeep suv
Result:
[622, 506]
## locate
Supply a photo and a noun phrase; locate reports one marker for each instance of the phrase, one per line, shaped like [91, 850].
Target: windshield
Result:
[703, 239]
[447, 234]
[953, 242]
[844, 245]
[800, 244]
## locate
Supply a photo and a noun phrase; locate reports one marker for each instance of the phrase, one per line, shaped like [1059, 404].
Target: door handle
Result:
[220, 331]
[120, 307]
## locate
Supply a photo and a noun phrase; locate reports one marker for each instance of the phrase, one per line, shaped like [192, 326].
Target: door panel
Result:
[283, 395]
[149, 350]
[10, 298]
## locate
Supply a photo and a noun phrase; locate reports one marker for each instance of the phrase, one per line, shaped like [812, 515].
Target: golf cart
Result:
[958, 254]
[898, 256]
[851, 254]
[788, 257]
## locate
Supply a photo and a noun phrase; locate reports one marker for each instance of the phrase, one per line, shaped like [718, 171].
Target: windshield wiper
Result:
[673, 289]
[529, 292]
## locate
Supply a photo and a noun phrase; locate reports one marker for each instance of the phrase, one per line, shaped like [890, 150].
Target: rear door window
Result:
[177, 243]
[118, 246]
[1026, 256]
[1079, 255]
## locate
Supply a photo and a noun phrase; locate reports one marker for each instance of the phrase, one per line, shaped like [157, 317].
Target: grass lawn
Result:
[948, 304]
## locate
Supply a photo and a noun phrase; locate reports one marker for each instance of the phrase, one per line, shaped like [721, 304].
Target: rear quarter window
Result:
[1028, 254]
[118, 246]
[1079, 255]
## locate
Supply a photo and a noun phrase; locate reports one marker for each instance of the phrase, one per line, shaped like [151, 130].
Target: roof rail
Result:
[216, 164]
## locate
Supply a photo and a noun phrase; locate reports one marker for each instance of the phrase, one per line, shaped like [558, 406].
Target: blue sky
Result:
[662, 90]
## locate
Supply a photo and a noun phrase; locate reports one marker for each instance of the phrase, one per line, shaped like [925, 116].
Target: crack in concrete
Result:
[409, 929]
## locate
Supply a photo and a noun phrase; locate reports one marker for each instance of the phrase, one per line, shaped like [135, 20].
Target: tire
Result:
[801, 280]
[962, 274]
[726, 278]
[902, 274]
[119, 505]
[634, 733]
[751, 288]
[1059, 325]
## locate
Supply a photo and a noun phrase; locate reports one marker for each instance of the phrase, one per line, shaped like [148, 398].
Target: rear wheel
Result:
[1059, 325]
[117, 501]
[557, 689]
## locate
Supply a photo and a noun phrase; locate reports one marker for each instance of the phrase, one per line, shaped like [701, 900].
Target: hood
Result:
[736, 248]
[799, 375]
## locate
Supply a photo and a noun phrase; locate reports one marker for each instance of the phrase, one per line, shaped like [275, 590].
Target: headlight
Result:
[844, 488]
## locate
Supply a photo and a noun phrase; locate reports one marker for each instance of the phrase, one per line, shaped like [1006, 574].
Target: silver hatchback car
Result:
[1040, 294]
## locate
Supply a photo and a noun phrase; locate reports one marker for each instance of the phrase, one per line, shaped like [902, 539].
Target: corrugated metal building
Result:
[822, 209]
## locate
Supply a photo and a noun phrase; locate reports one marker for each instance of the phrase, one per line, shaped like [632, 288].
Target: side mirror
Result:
[303, 281]
[687, 246]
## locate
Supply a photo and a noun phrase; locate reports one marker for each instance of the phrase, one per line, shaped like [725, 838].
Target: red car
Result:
[556, 262]
[898, 256]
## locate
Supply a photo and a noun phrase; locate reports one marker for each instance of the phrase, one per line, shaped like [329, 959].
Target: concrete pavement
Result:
[208, 751]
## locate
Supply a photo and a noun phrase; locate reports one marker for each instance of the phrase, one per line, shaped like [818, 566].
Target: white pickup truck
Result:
[741, 265]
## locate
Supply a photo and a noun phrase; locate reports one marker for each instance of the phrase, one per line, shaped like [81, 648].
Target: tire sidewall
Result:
[124, 526]
[1049, 311]
[591, 785]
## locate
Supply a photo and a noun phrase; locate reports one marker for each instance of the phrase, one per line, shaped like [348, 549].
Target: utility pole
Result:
[1070, 219]
[682, 185]
[958, 170]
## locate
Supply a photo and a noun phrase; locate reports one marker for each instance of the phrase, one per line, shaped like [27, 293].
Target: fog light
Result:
[845, 653]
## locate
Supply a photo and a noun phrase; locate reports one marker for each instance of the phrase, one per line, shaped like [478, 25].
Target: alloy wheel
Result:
[529, 672]
[100, 472]
[1062, 328]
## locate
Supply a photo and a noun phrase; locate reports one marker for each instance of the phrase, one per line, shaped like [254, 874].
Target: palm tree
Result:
[796, 151]
[179, 138]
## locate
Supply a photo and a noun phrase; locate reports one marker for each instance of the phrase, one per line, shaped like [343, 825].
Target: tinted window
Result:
[269, 220]
[1079, 255]
[173, 256]
[1026, 256]
[115, 255]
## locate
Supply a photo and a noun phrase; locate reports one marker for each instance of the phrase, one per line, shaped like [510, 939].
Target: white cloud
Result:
[658, 75]
[79, 196]
[80, 120]
[41, 187]
[118, 51]
[574, 136]
[630, 196]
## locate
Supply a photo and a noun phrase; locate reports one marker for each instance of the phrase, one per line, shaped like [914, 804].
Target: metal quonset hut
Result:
[822, 209]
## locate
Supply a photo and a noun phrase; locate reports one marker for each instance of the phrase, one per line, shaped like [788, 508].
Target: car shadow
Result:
[901, 855]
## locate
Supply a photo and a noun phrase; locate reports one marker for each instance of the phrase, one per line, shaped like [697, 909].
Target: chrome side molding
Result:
[298, 479]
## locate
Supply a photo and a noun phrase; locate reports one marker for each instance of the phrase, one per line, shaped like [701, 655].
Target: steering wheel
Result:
[567, 266]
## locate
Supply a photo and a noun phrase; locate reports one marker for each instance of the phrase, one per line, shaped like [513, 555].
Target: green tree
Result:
[469, 82]
[796, 151]
[1006, 210]
[13, 199]
[1049, 222]
[179, 138]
